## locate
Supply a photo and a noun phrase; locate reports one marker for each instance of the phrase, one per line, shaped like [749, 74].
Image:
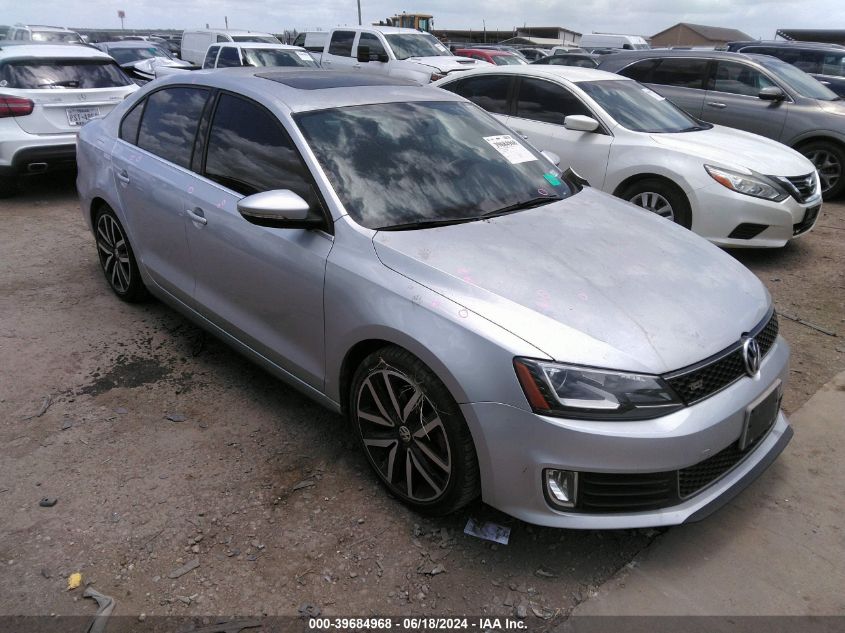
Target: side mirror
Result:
[771, 93]
[363, 54]
[280, 208]
[580, 123]
[553, 158]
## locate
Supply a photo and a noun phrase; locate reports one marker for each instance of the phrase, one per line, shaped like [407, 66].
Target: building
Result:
[546, 36]
[686, 34]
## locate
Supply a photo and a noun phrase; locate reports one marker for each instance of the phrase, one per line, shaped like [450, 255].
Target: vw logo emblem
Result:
[751, 356]
[404, 434]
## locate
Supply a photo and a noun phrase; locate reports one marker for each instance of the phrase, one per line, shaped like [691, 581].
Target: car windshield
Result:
[129, 54]
[264, 39]
[638, 108]
[277, 57]
[507, 60]
[407, 45]
[397, 165]
[55, 36]
[797, 79]
[62, 73]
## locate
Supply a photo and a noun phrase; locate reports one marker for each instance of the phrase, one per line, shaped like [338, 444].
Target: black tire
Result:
[8, 186]
[423, 437]
[829, 160]
[677, 199]
[117, 260]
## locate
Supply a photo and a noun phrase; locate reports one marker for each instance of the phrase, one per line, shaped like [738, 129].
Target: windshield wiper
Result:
[426, 224]
[519, 206]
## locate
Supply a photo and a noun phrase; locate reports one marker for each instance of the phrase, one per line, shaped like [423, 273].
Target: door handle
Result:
[197, 215]
[123, 176]
[716, 104]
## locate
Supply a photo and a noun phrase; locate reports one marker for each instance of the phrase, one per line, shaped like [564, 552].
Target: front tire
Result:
[413, 433]
[116, 257]
[661, 197]
[829, 160]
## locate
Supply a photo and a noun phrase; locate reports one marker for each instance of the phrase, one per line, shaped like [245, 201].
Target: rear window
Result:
[55, 36]
[264, 39]
[62, 73]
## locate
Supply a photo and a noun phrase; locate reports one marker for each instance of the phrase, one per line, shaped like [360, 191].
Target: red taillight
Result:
[15, 106]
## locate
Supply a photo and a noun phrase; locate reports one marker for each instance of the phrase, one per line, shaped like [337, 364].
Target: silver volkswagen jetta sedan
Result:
[486, 323]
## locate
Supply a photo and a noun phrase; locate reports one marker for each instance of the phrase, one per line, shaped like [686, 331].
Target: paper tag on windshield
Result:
[510, 148]
[441, 48]
[304, 56]
[651, 93]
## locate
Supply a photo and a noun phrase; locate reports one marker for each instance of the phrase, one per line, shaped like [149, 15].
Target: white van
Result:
[312, 41]
[610, 40]
[195, 43]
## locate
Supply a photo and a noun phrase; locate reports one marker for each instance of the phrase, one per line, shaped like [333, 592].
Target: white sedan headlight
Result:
[757, 186]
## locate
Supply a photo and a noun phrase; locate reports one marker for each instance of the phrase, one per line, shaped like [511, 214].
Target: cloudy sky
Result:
[758, 18]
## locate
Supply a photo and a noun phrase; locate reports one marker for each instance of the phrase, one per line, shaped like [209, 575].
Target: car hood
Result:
[728, 147]
[590, 280]
[446, 64]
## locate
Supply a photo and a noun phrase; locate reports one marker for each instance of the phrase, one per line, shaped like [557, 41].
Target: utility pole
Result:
[359, 12]
[484, 24]
[226, 20]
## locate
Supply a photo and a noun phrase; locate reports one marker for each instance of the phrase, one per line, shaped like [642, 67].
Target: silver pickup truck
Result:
[402, 53]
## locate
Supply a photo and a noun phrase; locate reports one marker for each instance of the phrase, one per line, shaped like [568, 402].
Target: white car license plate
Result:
[78, 116]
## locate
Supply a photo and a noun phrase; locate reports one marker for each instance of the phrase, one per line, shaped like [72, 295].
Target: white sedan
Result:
[732, 187]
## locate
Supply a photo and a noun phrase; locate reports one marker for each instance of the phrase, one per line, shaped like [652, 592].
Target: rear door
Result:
[681, 80]
[152, 170]
[732, 100]
[541, 107]
[339, 54]
[66, 93]
[229, 57]
[490, 92]
[262, 285]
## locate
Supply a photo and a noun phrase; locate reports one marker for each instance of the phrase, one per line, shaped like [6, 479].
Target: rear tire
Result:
[661, 197]
[8, 186]
[413, 433]
[117, 259]
[829, 160]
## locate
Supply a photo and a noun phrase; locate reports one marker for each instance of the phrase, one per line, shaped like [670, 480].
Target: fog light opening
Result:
[561, 487]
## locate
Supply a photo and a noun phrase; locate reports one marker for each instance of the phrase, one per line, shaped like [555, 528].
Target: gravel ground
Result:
[265, 490]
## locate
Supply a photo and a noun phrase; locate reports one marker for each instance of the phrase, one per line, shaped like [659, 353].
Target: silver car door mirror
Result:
[279, 208]
[553, 158]
[771, 93]
[580, 123]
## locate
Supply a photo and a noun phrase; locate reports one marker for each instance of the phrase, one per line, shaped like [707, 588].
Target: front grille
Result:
[612, 492]
[807, 223]
[711, 376]
[747, 230]
[802, 187]
[606, 493]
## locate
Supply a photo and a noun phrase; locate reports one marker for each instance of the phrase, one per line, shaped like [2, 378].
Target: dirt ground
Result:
[265, 490]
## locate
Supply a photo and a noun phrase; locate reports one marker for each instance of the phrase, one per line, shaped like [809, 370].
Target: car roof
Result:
[262, 45]
[488, 51]
[616, 61]
[304, 90]
[128, 44]
[49, 49]
[42, 27]
[573, 74]
[228, 31]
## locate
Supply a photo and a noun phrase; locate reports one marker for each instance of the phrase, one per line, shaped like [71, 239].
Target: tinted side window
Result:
[368, 39]
[210, 57]
[683, 72]
[488, 91]
[250, 152]
[341, 43]
[300, 40]
[834, 65]
[170, 121]
[640, 71]
[808, 61]
[223, 38]
[130, 124]
[738, 79]
[229, 57]
[544, 101]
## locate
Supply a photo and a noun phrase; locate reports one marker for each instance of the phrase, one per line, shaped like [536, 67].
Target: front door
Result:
[262, 285]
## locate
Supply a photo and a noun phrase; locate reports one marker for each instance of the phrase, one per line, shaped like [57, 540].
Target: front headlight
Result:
[757, 186]
[593, 394]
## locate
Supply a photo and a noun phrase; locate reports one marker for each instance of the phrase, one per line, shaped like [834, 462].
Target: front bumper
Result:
[514, 447]
[725, 218]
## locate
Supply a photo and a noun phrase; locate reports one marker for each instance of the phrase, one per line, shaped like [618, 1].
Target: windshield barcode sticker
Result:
[510, 148]
[304, 56]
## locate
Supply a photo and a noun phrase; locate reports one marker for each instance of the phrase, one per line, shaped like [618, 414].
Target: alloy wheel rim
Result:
[114, 253]
[656, 203]
[828, 166]
[403, 435]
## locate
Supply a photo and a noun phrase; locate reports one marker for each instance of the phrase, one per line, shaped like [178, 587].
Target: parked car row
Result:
[486, 323]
